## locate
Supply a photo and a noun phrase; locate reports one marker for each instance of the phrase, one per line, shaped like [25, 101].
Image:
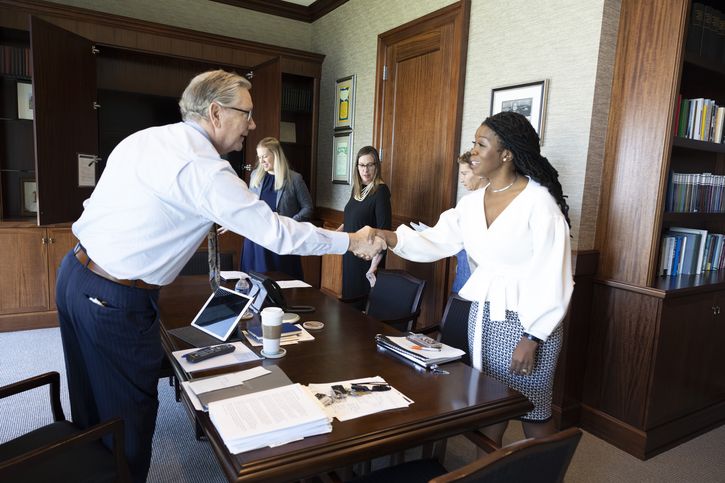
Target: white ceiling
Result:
[305, 3]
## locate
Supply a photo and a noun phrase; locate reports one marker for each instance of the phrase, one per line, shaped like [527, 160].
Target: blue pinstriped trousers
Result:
[112, 355]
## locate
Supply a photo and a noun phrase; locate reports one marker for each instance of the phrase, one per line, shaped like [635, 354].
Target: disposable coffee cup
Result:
[271, 329]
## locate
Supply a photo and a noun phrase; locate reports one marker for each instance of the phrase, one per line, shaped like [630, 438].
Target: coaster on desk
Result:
[290, 318]
[313, 325]
[281, 353]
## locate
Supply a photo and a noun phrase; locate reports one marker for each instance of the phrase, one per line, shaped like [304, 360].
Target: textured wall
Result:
[569, 42]
[208, 16]
[509, 43]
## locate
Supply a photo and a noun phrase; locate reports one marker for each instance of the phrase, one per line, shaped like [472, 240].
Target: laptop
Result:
[221, 313]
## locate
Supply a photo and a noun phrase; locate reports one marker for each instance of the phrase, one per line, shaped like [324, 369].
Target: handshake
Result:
[367, 242]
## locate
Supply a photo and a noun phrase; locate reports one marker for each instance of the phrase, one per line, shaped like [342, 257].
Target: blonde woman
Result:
[369, 205]
[285, 192]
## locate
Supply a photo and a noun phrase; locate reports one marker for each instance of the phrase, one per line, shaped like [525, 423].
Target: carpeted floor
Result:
[178, 457]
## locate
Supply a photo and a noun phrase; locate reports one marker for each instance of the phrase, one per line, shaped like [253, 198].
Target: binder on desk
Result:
[410, 351]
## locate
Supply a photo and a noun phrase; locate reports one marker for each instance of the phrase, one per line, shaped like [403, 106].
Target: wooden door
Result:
[60, 241]
[23, 270]
[266, 96]
[419, 89]
[64, 89]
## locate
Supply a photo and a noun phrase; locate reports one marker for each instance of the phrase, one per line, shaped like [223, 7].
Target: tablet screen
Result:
[221, 312]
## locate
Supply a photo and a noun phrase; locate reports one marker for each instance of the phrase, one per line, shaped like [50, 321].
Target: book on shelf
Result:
[694, 30]
[719, 120]
[697, 119]
[695, 193]
[696, 239]
[710, 42]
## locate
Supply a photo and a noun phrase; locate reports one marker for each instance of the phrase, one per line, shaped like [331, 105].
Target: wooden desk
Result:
[445, 405]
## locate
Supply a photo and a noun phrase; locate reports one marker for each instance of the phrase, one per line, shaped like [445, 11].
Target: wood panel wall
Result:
[644, 91]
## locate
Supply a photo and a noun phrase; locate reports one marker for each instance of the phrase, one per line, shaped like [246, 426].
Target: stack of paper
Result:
[422, 356]
[291, 334]
[268, 418]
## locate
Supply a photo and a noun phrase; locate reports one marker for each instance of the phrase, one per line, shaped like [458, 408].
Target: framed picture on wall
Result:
[341, 157]
[25, 100]
[28, 197]
[527, 99]
[344, 102]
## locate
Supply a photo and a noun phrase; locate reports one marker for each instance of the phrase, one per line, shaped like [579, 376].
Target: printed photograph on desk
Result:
[344, 102]
[527, 99]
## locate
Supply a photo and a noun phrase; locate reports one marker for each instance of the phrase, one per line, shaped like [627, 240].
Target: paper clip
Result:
[437, 370]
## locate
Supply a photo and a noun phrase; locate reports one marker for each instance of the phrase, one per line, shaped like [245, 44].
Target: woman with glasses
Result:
[369, 205]
[285, 192]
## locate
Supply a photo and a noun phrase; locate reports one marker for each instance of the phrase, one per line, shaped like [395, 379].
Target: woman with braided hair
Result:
[516, 230]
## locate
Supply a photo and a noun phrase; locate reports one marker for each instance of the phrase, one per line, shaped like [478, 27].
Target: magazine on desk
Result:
[417, 354]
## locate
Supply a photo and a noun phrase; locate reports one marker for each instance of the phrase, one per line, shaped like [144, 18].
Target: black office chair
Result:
[540, 460]
[395, 299]
[452, 330]
[60, 451]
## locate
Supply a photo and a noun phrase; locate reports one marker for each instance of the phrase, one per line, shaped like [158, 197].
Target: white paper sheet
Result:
[232, 274]
[293, 284]
[232, 379]
[352, 407]
[241, 354]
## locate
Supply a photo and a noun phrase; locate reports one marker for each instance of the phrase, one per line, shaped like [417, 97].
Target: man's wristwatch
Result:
[526, 335]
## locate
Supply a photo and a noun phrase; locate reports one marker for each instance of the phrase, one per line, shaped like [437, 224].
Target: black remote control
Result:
[209, 352]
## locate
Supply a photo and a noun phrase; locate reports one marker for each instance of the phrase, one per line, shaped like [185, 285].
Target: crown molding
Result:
[281, 8]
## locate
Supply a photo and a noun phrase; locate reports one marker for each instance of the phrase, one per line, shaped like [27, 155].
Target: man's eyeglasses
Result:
[366, 166]
[248, 113]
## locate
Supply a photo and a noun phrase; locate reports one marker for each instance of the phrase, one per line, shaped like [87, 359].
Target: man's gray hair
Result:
[211, 86]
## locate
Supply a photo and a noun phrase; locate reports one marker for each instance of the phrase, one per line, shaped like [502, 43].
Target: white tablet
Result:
[221, 313]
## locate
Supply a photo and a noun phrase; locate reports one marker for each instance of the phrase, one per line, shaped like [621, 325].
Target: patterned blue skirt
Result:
[500, 338]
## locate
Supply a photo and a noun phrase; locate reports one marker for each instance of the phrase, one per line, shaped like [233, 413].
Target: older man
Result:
[162, 190]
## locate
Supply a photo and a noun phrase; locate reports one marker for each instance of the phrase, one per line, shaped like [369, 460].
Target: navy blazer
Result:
[293, 200]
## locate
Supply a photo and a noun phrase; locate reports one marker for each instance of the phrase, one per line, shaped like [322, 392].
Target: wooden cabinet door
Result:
[686, 371]
[266, 97]
[23, 270]
[418, 113]
[60, 241]
[66, 124]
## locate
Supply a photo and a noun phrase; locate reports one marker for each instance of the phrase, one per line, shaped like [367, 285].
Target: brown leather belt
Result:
[83, 257]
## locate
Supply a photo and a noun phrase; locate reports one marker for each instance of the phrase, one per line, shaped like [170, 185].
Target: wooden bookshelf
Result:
[649, 382]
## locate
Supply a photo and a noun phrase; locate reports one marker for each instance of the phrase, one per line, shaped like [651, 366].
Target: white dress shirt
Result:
[522, 261]
[162, 189]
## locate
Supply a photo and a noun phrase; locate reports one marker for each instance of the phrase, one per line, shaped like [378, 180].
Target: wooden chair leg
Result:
[177, 389]
[436, 449]
[482, 441]
[199, 432]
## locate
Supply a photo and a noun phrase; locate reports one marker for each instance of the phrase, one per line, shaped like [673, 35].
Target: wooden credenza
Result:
[29, 258]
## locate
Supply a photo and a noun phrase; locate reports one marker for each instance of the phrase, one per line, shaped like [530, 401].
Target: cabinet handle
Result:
[51, 240]
[247, 167]
[44, 241]
[715, 310]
